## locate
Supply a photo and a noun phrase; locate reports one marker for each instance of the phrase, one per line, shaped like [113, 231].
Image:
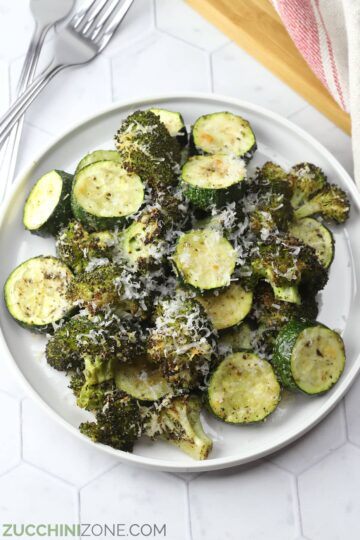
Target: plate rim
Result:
[150, 462]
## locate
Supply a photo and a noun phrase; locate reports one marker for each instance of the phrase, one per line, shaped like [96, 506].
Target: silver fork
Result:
[79, 42]
[45, 16]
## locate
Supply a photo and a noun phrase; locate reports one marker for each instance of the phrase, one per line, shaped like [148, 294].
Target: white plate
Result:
[278, 140]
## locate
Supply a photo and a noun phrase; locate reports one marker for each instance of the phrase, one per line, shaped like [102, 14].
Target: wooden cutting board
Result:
[257, 28]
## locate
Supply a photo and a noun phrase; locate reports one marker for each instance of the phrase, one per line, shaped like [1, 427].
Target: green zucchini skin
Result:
[109, 215]
[14, 290]
[98, 155]
[205, 198]
[61, 214]
[314, 234]
[204, 180]
[230, 395]
[284, 356]
[204, 137]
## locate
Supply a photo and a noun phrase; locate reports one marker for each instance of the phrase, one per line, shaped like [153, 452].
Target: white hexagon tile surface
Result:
[308, 491]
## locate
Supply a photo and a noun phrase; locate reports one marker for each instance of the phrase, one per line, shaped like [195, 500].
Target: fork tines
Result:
[101, 19]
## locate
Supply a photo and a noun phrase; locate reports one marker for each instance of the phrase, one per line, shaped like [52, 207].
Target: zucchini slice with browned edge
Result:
[314, 234]
[174, 123]
[104, 195]
[215, 179]
[98, 155]
[35, 293]
[142, 380]
[223, 133]
[243, 389]
[308, 356]
[204, 259]
[48, 206]
[227, 308]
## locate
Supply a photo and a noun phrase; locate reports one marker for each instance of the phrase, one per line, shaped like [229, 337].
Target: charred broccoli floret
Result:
[274, 314]
[63, 348]
[118, 423]
[331, 203]
[96, 289]
[306, 179]
[77, 381]
[177, 420]
[272, 172]
[182, 341]
[148, 149]
[93, 345]
[77, 248]
[102, 288]
[268, 201]
[93, 397]
[289, 266]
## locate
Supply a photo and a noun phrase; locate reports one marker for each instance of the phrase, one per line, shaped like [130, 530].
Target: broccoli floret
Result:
[77, 248]
[101, 288]
[93, 397]
[268, 201]
[272, 172]
[182, 341]
[290, 267]
[306, 179]
[331, 203]
[273, 314]
[148, 149]
[77, 381]
[177, 420]
[118, 423]
[83, 343]
[63, 348]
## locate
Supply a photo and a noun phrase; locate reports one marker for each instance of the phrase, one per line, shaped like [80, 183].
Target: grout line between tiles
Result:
[10, 469]
[98, 476]
[21, 428]
[181, 40]
[211, 71]
[189, 511]
[343, 409]
[78, 506]
[48, 473]
[298, 504]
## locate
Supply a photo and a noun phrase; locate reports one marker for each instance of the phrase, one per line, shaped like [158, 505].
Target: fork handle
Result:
[12, 143]
[14, 113]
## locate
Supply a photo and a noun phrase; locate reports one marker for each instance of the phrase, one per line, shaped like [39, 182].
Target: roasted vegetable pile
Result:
[182, 283]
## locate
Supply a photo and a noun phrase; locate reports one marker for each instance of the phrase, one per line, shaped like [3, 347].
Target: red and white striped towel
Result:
[327, 33]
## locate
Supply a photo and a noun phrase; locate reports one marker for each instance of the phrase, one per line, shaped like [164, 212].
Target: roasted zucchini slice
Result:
[174, 123]
[308, 356]
[223, 133]
[48, 206]
[104, 194]
[98, 155]
[142, 380]
[215, 179]
[227, 308]
[314, 234]
[236, 339]
[243, 389]
[35, 293]
[204, 259]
